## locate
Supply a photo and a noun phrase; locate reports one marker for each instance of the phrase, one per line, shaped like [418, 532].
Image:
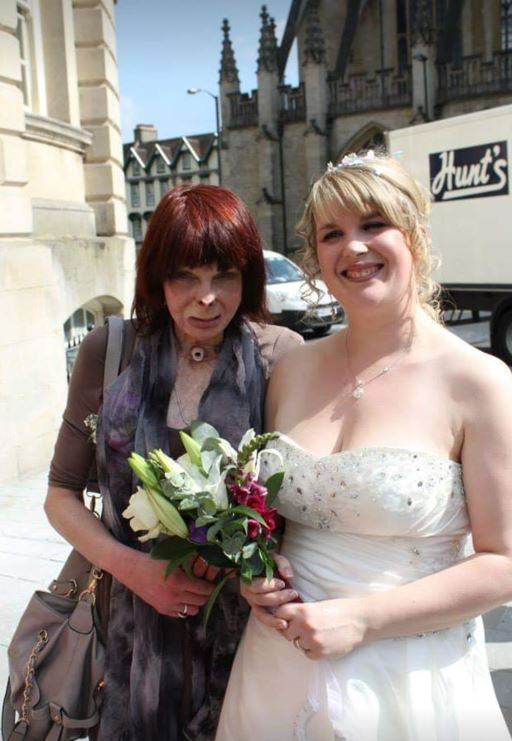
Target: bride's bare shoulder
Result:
[474, 374]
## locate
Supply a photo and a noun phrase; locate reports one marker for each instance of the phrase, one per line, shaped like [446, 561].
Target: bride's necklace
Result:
[358, 383]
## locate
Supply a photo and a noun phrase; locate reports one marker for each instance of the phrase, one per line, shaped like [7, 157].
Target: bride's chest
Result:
[380, 491]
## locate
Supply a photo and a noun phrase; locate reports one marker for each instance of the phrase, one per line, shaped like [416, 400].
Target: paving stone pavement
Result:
[31, 554]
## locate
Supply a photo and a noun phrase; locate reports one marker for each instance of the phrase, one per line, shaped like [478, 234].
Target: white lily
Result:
[142, 516]
[253, 466]
[246, 439]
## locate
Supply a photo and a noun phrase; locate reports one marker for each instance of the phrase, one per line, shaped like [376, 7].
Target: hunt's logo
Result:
[471, 172]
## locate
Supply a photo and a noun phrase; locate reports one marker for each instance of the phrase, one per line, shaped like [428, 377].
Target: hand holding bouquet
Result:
[208, 502]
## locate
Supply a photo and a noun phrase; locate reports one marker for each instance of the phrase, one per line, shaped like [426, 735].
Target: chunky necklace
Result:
[358, 383]
[198, 353]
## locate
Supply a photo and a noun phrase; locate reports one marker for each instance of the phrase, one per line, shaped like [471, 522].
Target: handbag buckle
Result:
[89, 593]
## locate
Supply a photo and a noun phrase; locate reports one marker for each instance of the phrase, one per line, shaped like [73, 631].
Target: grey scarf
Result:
[164, 678]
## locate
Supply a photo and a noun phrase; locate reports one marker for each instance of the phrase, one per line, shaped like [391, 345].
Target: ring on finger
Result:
[297, 644]
[184, 612]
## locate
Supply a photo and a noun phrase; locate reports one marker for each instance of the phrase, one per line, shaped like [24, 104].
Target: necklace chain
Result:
[358, 383]
[180, 407]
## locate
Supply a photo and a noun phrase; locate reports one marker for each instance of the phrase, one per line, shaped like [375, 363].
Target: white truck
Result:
[465, 163]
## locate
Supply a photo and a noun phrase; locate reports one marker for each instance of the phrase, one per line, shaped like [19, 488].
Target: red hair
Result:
[198, 225]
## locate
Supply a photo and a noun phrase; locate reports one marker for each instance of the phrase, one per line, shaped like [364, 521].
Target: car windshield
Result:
[281, 270]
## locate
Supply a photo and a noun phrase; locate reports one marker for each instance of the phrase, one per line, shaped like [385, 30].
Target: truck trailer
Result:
[464, 161]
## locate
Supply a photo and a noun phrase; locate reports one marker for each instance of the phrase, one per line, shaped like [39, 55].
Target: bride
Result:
[397, 442]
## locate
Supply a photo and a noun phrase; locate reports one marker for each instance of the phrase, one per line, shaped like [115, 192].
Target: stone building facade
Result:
[66, 259]
[153, 165]
[365, 66]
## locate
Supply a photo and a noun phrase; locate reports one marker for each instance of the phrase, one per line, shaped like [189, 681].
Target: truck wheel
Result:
[502, 337]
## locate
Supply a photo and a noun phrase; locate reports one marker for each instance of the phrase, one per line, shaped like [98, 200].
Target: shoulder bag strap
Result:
[113, 357]
[114, 349]
[8, 716]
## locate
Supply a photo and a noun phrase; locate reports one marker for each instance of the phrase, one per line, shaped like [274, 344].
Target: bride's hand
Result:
[265, 596]
[332, 627]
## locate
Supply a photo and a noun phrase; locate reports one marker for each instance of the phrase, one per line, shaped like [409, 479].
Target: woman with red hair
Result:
[197, 347]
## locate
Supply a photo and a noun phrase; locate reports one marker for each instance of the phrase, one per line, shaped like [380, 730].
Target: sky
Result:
[167, 46]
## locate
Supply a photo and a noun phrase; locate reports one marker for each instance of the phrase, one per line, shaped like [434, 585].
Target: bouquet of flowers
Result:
[209, 502]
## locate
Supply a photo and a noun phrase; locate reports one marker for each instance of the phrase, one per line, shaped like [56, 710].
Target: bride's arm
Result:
[448, 597]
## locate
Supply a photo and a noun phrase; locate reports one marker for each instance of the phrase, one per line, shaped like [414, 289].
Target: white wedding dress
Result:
[357, 522]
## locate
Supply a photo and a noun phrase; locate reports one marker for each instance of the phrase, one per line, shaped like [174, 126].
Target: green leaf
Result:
[173, 564]
[250, 512]
[208, 458]
[188, 503]
[200, 431]
[214, 555]
[215, 529]
[269, 572]
[230, 528]
[273, 484]
[257, 562]
[249, 550]
[171, 548]
[204, 520]
[211, 600]
[209, 506]
[246, 573]
[193, 449]
[233, 544]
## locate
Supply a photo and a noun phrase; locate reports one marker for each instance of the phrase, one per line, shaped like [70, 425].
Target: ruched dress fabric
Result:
[358, 522]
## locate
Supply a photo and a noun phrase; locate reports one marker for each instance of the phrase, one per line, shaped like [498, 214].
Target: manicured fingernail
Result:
[280, 584]
[293, 594]
[287, 573]
[283, 625]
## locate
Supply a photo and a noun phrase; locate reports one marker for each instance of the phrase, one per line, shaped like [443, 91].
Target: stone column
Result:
[316, 91]
[269, 203]
[16, 209]
[423, 56]
[490, 19]
[60, 60]
[99, 113]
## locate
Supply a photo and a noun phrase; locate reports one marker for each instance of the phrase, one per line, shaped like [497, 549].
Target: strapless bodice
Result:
[370, 491]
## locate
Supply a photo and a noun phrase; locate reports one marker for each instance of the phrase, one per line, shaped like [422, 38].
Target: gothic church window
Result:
[160, 165]
[506, 25]
[186, 161]
[402, 35]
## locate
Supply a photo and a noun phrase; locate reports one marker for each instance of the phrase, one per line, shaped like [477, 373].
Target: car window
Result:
[281, 270]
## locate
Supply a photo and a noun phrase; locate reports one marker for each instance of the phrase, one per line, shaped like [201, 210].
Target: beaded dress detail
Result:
[357, 522]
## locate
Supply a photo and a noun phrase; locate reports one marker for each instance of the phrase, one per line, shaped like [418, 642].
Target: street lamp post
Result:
[194, 91]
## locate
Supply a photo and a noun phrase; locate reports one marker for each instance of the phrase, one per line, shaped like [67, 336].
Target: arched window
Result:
[506, 25]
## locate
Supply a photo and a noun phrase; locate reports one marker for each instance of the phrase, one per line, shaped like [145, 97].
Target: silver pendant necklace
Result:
[358, 383]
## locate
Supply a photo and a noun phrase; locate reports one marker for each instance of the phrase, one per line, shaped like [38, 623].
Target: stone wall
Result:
[63, 243]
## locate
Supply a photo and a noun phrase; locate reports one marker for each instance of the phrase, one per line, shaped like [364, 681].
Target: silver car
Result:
[285, 288]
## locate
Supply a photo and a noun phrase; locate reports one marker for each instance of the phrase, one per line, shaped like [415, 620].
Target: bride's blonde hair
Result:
[369, 182]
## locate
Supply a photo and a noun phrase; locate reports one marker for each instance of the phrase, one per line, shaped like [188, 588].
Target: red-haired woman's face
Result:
[202, 301]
